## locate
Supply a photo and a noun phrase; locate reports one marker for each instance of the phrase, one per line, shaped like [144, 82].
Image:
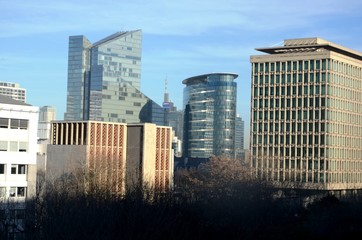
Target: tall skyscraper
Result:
[306, 116]
[13, 90]
[209, 115]
[104, 80]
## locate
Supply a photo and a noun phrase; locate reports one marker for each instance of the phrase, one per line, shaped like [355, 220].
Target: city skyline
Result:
[178, 40]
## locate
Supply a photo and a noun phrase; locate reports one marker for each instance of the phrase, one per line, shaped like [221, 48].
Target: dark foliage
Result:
[239, 209]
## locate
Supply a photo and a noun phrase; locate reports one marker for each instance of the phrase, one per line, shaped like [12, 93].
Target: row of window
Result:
[14, 123]
[289, 66]
[15, 168]
[291, 128]
[289, 91]
[288, 139]
[14, 192]
[13, 146]
[282, 151]
[290, 115]
[308, 65]
[288, 78]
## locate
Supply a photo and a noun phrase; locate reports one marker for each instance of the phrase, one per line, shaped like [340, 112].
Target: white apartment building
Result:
[18, 148]
[13, 91]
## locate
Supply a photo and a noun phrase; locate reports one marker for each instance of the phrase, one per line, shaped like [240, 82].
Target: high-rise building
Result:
[13, 90]
[239, 138]
[104, 81]
[209, 115]
[306, 115]
[119, 156]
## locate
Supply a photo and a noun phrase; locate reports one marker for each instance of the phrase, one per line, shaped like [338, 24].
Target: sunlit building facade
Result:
[13, 90]
[104, 80]
[306, 114]
[209, 115]
[118, 156]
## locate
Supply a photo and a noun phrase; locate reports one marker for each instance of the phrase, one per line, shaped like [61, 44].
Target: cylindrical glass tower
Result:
[210, 111]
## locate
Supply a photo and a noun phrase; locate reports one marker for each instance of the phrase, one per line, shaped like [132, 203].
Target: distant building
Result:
[18, 129]
[239, 138]
[104, 80]
[209, 115]
[306, 116]
[119, 156]
[174, 119]
[13, 91]
[46, 115]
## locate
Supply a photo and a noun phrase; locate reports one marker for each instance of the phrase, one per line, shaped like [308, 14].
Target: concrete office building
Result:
[13, 91]
[306, 116]
[209, 115]
[118, 155]
[104, 81]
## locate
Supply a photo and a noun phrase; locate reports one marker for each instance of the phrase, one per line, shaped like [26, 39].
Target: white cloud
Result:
[186, 17]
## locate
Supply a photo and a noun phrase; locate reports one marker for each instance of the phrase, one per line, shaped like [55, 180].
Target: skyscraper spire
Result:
[166, 97]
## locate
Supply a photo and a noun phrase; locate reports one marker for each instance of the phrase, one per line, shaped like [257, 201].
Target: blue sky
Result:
[180, 38]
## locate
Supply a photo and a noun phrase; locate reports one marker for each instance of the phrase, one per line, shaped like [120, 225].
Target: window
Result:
[2, 168]
[14, 123]
[21, 169]
[18, 169]
[13, 169]
[3, 145]
[4, 122]
[13, 146]
[23, 124]
[21, 192]
[17, 192]
[23, 146]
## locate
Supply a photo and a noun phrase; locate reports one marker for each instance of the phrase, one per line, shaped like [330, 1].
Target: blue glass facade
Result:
[210, 112]
[104, 80]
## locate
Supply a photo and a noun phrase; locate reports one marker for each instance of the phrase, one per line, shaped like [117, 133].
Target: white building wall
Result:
[24, 140]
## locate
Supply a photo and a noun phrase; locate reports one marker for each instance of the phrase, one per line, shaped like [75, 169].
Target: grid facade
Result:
[306, 115]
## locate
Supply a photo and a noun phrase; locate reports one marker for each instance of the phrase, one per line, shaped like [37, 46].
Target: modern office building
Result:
[239, 138]
[13, 91]
[104, 81]
[209, 115]
[119, 156]
[306, 115]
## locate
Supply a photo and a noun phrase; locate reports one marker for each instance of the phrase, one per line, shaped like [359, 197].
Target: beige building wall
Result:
[306, 116]
[119, 156]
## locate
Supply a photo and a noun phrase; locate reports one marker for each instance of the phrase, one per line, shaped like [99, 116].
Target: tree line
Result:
[218, 200]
